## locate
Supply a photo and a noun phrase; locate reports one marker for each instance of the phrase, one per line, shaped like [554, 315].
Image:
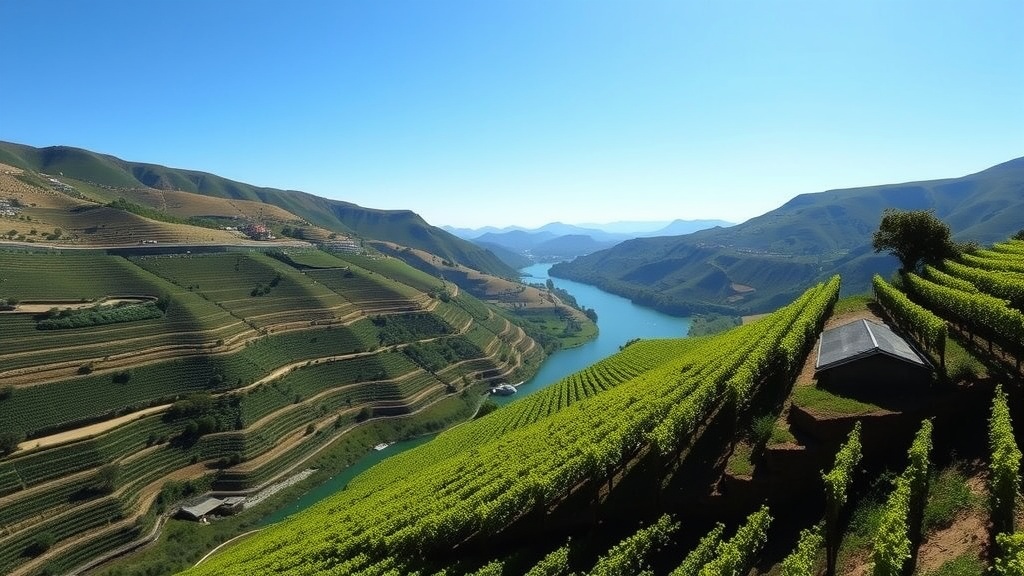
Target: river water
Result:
[618, 321]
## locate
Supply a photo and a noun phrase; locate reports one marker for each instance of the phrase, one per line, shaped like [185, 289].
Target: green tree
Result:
[913, 236]
[9, 441]
[1019, 235]
[106, 478]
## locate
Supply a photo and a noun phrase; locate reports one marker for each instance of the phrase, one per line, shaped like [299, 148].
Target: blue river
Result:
[618, 321]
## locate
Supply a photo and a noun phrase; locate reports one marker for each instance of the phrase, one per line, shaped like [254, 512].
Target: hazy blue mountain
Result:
[515, 240]
[568, 246]
[629, 227]
[560, 241]
[513, 258]
[765, 261]
[678, 227]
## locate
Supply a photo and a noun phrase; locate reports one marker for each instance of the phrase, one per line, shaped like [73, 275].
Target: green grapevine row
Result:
[702, 554]
[1004, 466]
[1005, 285]
[631, 556]
[980, 312]
[901, 517]
[926, 327]
[1013, 247]
[994, 261]
[1010, 558]
[802, 560]
[837, 485]
[939, 277]
[555, 563]
[735, 556]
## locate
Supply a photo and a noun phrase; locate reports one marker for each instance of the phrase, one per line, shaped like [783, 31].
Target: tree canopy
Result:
[916, 237]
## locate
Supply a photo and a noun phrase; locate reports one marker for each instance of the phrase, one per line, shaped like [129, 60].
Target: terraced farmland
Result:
[253, 287]
[251, 354]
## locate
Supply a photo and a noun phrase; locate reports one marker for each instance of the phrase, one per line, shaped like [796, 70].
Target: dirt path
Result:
[43, 307]
[91, 430]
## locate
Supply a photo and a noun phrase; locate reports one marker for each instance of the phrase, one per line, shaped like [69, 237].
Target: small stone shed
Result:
[867, 357]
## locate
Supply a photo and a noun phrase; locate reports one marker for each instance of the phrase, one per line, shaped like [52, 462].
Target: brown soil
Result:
[968, 533]
[87, 431]
[43, 307]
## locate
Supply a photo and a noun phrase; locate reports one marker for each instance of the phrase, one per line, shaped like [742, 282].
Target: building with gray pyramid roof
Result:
[868, 355]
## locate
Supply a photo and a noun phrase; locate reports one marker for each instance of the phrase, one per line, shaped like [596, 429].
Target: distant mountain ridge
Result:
[620, 230]
[559, 241]
[400, 226]
[764, 262]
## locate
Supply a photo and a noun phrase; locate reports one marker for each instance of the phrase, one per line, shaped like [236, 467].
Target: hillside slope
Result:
[763, 262]
[230, 369]
[400, 226]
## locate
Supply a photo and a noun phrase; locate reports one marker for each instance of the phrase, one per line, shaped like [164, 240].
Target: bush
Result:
[963, 368]
[42, 542]
[949, 495]
[97, 316]
[486, 408]
[106, 478]
[9, 441]
[761, 429]
[6, 391]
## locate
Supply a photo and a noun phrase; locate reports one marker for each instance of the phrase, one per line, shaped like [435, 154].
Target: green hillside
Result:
[124, 378]
[726, 454]
[764, 262]
[399, 226]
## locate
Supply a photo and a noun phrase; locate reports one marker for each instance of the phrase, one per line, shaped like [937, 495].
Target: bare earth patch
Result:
[88, 431]
[968, 533]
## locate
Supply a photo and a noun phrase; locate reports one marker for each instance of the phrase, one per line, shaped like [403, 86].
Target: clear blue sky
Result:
[497, 112]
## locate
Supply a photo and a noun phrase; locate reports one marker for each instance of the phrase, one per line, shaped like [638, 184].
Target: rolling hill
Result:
[762, 263]
[401, 226]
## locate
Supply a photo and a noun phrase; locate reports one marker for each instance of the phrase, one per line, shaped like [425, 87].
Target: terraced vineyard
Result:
[254, 364]
[470, 501]
[489, 480]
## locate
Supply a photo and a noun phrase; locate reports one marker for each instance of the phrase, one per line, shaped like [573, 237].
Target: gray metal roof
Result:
[860, 339]
[202, 508]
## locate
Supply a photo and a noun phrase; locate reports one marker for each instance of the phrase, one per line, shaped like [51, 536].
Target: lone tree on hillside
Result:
[913, 236]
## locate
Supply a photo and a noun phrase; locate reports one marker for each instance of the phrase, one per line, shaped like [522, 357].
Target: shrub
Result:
[9, 440]
[761, 429]
[486, 408]
[363, 414]
[962, 368]
[106, 478]
[949, 495]
[41, 543]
